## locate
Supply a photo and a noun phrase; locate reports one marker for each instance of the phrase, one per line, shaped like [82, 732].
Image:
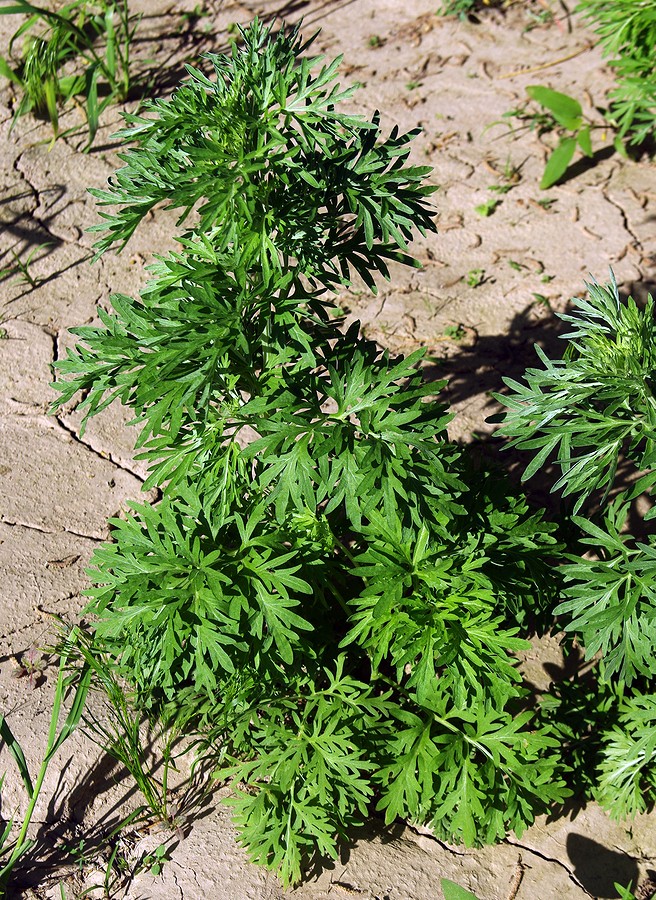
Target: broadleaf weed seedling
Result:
[329, 591]
[563, 115]
[627, 31]
[475, 277]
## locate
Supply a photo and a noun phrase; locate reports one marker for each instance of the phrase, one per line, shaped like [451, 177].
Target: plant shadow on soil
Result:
[64, 844]
[598, 869]
[594, 866]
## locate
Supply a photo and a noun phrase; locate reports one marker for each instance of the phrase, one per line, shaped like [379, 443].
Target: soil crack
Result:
[431, 837]
[552, 859]
[31, 527]
[106, 456]
[38, 214]
[625, 219]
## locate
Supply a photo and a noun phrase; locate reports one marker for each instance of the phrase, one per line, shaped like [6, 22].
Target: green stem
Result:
[440, 721]
[22, 843]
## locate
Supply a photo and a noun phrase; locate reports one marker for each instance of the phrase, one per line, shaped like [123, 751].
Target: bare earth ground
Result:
[56, 490]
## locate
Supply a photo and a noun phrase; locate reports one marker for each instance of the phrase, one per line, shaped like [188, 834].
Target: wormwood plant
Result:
[80, 49]
[594, 413]
[627, 33]
[329, 590]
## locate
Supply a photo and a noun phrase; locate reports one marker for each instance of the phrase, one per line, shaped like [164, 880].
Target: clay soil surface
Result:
[489, 289]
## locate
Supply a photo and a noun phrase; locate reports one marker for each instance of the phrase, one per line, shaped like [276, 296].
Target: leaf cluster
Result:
[627, 33]
[592, 414]
[595, 405]
[568, 115]
[328, 590]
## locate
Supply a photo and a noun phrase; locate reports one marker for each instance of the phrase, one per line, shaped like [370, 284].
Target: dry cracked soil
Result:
[488, 290]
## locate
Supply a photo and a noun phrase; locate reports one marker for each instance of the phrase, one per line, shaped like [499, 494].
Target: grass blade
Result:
[17, 752]
[91, 91]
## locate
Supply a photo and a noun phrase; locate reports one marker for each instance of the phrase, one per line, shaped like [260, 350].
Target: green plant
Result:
[475, 277]
[488, 207]
[119, 731]
[112, 852]
[509, 178]
[19, 269]
[465, 9]
[154, 862]
[78, 50]
[564, 115]
[453, 891]
[329, 590]
[460, 8]
[627, 32]
[190, 18]
[592, 414]
[454, 332]
[539, 18]
[11, 850]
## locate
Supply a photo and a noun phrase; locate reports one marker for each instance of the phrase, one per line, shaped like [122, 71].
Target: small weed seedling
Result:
[487, 208]
[154, 862]
[508, 179]
[475, 277]
[191, 18]
[454, 332]
[329, 590]
[31, 665]
[466, 9]
[563, 115]
[19, 269]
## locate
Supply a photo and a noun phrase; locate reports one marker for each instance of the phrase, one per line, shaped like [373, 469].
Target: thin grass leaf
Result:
[91, 93]
[17, 752]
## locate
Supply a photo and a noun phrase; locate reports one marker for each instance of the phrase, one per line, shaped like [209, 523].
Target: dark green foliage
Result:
[594, 404]
[627, 33]
[593, 413]
[328, 590]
